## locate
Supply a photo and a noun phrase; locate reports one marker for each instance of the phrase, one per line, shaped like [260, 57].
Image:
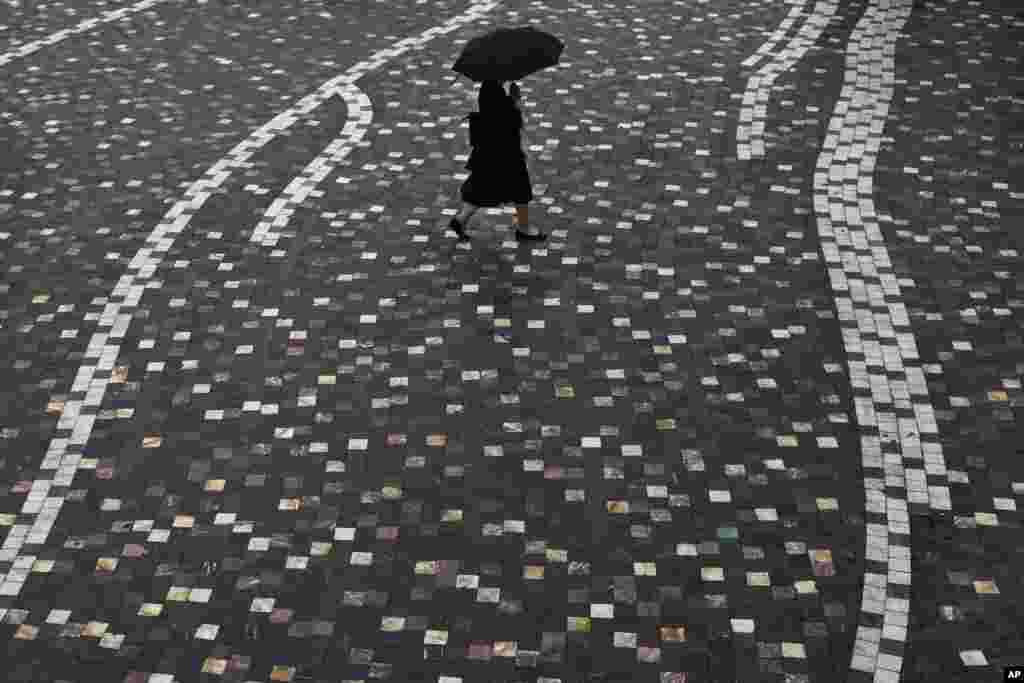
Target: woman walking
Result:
[497, 164]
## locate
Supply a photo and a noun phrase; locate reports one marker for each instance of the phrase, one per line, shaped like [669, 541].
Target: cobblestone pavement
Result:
[751, 413]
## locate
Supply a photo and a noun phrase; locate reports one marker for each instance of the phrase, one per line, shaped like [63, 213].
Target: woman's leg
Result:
[466, 213]
[523, 217]
[458, 224]
[523, 230]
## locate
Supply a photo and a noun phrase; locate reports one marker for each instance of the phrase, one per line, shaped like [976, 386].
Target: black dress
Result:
[497, 164]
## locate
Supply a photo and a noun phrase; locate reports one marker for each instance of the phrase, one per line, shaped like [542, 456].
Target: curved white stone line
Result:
[283, 207]
[75, 425]
[877, 344]
[27, 48]
[767, 48]
[754, 108]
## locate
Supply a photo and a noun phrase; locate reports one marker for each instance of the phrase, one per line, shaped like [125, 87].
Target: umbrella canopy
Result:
[508, 54]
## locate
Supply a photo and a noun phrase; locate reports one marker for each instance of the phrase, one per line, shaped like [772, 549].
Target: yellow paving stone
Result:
[214, 665]
[106, 564]
[426, 568]
[758, 579]
[712, 574]
[557, 556]
[435, 637]
[793, 650]
[451, 516]
[392, 624]
[177, 594]
[578, 624]
[986, 519]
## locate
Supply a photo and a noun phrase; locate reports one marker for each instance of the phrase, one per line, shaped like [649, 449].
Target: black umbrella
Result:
[508, 54]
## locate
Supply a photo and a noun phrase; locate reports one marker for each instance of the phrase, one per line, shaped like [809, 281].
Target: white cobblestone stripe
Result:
[754, 106]
[64, 454]
[894, 412]
[25, 49]
[797, 10]
[280, 211]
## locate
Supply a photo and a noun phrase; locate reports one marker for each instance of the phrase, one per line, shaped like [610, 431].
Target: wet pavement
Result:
[751, 412]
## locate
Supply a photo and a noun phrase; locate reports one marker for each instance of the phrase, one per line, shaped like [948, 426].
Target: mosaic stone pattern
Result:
[750, 413]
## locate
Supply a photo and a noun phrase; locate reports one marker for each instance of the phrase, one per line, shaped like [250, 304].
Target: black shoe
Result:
[458, 228]
[526, 237]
